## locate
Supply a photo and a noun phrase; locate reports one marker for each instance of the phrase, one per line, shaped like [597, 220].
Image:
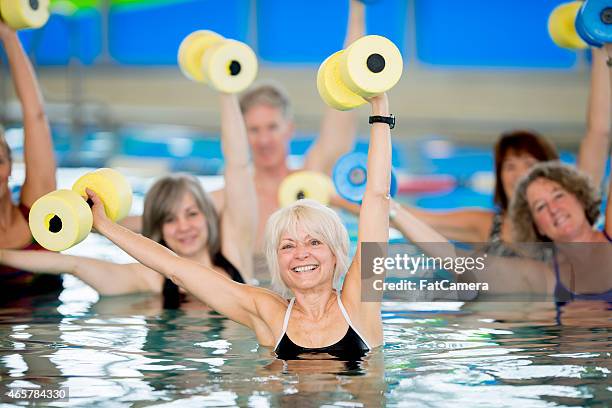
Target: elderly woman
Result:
[39, 170]
[179, 215]
[307, 248]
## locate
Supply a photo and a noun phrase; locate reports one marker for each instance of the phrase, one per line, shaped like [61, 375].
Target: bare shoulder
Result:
[268, 304]
[269, 314]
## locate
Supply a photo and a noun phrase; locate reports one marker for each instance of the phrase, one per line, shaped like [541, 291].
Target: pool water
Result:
[127, 351]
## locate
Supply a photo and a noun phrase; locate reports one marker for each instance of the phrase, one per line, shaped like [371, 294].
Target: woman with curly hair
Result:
[515, 153]
[559, 251]
[556, 203]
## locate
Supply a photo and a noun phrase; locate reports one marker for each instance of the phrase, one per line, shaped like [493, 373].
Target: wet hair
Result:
[270, 94]
[318, 221]
[570, 179]
[161, 200]
[518, 141]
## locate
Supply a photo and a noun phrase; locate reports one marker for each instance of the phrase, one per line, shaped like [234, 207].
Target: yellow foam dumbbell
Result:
[368, 67]
[19, 14]
[562, 26]
[63, 218]
[305, 185]
[227, 65]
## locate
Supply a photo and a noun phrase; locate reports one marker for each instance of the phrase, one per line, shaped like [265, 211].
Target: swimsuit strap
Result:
[556, 264]
[607, 236]
[285, 322]
[348, 320]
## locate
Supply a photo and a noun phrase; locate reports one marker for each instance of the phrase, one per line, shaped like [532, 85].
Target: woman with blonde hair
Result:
[307, 247]
[179, 215]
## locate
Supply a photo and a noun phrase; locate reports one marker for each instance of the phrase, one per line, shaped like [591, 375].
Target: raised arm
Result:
[594, 148]
[104, 277]
[608, 223]
[236, 301]
[508, 276]
[459, 225]
[239, 219]
[38, 146]
[412, 227]
[374, 214]
[338, 129]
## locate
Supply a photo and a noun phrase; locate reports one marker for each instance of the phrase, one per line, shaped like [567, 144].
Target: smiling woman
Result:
[555, 202]
[308, 248]
[179, 215]
[515, 152]
[300, 236]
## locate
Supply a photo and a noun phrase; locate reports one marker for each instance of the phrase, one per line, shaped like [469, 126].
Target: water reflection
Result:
[128, 349]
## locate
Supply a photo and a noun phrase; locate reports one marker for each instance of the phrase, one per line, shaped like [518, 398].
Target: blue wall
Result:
[489, 33]
[448, 33]
[310, 30]
[151, 35]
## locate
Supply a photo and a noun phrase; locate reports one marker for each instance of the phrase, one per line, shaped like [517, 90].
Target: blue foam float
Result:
[350, 176]
[594, 22]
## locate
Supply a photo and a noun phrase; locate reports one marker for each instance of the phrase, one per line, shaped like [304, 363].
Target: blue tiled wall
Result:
[310, 30]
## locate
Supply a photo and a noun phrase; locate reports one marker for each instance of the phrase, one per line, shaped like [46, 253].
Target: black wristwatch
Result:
[389, 120]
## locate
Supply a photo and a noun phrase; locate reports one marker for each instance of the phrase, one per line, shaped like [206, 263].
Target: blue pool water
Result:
[127, 351]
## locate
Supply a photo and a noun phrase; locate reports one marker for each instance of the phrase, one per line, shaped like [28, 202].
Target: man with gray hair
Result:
[269, 123]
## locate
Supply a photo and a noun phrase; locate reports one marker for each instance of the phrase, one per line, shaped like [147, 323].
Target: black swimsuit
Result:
[351, 347]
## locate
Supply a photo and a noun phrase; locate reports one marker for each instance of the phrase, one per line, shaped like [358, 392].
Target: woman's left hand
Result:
[380, 104]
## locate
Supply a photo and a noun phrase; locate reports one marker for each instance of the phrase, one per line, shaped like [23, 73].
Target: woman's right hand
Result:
[97, 209]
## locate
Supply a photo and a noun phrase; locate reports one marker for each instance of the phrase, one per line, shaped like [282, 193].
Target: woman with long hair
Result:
[179, 215]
